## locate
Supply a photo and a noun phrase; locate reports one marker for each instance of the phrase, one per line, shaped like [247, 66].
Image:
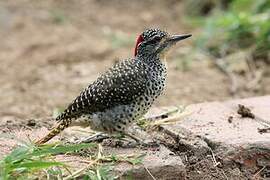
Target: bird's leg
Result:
[94, 138]
[139, 141]
[132, 137]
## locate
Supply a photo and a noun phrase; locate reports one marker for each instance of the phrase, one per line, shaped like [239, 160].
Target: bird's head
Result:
[156, 42]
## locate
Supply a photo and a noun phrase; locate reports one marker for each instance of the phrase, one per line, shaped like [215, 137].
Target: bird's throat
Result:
[163, 55]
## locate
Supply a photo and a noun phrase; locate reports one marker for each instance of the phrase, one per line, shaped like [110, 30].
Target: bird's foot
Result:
[136, 139]
[139, 142]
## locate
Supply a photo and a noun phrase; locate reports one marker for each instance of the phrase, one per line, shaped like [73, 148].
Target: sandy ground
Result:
[50, 50]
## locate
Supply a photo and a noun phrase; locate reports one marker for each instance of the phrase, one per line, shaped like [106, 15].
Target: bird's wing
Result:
[120, 85]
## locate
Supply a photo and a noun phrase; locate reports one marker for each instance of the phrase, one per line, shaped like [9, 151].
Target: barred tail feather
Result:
[56, 130]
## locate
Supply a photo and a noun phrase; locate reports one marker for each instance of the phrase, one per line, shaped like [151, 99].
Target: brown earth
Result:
[50, 50]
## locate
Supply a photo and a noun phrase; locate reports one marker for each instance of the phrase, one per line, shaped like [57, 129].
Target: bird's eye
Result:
[154, 40]
[157, 38]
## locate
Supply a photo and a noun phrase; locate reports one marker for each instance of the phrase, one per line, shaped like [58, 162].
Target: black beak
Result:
[171, 41]
[176, 38]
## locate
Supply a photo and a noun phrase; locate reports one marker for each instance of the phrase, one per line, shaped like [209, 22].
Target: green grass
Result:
[245, 25]
[103, 172]
[28, 161]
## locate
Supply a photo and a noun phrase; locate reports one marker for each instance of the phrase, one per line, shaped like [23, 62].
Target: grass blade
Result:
[36, 165]
[48, 150]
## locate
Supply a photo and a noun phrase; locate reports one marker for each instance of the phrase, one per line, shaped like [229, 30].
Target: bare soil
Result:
[50, 50]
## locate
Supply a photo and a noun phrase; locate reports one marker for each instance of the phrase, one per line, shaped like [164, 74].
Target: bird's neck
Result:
[157, 67]
[152, 59]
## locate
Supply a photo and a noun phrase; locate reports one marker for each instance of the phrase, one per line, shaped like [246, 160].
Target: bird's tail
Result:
[59, 127]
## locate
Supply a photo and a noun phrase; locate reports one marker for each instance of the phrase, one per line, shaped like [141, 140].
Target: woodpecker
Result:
[125, 92]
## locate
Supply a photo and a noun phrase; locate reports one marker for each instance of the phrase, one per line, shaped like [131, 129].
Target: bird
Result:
[125, 92]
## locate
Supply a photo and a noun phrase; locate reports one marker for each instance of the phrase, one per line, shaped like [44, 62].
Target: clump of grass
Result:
[27, 159]
[101, 172]
[100, 166]
[245, 24]
[104, 171]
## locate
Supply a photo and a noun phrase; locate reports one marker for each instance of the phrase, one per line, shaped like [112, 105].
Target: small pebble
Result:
[230, 118]
[31, 122]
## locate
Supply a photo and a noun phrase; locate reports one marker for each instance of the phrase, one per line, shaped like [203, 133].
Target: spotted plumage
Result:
[122, 94]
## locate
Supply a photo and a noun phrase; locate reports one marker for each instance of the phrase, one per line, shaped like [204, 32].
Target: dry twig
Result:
[165, 119]
[214, 158]
[255, 74]
[147, 170]
[257, 173]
